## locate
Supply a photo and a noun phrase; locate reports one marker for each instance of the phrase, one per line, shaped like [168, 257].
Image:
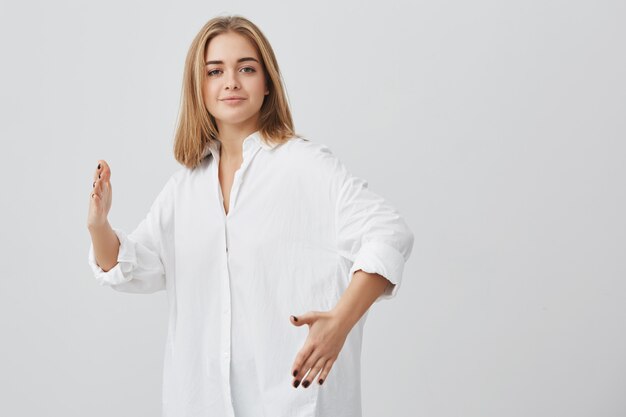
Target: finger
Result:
[327, 367]
[102, 170]
[106, 172]
[306, 374]
[301, 357]
[98, 169]
[100, 188]
[94, 194]
[315, 370]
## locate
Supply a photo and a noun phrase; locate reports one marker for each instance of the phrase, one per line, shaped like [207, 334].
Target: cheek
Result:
[257, 86]
[209, 92]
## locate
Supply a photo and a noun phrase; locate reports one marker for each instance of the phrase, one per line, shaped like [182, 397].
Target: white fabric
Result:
[299, 225]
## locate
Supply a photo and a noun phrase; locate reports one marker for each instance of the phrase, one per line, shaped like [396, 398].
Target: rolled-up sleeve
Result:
[140, 267]
[370, 231]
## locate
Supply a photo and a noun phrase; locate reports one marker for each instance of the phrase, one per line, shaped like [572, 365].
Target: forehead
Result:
[229, 47]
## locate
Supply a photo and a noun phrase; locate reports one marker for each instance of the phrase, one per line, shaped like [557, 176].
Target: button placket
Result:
[250, 150]
[226, 235]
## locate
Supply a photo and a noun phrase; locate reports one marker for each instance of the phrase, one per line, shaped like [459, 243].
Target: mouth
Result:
[233, 101]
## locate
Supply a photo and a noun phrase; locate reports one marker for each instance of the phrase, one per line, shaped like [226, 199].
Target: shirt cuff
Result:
[126, 262]
[380, 258]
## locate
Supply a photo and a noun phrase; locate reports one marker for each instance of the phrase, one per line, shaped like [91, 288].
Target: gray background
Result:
[496, 128]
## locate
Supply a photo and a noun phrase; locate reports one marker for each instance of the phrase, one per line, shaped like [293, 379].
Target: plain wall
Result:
[496, 128]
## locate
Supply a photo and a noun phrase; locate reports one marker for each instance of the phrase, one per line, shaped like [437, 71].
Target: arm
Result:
[376, 241]
[363, 290]
[139, 264]
[328, 330]
[105, 245]
[371, 234]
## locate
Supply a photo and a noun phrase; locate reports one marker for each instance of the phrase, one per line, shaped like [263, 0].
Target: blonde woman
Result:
[259, 233]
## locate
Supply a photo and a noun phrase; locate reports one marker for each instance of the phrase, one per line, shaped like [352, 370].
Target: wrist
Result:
[98, 227]
[343, 317]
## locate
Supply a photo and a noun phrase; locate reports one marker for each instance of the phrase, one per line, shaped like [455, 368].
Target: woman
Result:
[260, 232]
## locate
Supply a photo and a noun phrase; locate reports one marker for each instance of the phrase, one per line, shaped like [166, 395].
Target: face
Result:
[233, 69]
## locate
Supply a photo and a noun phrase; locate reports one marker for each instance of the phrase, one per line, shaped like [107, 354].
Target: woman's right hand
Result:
[101, 197]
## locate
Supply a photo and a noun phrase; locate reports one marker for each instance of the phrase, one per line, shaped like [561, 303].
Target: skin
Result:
[235, 122]
[105, 242]
[328, 330]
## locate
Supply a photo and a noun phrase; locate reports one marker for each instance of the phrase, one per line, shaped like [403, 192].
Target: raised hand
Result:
[101, 196]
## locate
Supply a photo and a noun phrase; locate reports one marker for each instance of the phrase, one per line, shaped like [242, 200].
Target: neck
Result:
[231, 139]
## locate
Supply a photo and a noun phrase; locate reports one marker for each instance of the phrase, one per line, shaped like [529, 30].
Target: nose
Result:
[231, 81]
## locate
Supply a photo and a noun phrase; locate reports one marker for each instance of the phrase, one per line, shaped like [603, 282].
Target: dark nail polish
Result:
[98, 175]
[94, 184]
[305, 384]
[295, 372]
[321, 381]
[295, 384]
[294, 318]
[98, 166]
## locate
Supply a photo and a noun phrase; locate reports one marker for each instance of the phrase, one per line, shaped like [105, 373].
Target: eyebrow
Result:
[248, 58]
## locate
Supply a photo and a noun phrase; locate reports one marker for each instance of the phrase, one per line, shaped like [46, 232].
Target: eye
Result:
[210, 73]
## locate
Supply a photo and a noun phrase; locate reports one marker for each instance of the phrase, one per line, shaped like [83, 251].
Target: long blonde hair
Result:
[196, 126]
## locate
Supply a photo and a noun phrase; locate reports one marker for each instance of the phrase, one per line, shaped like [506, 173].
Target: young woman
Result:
[259, 233]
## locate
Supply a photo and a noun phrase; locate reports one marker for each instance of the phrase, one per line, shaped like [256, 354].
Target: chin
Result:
[235, 116]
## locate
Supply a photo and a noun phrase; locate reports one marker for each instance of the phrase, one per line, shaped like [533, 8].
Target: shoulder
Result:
[310, 154]
[314, 165]
[174, 179]
[168, 190]
[178, 175]
[184, 175]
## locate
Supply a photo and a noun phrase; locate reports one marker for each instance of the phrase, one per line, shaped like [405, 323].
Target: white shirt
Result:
[299, 225]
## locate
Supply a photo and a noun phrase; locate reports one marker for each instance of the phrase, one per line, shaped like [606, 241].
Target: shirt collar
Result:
[253, 141]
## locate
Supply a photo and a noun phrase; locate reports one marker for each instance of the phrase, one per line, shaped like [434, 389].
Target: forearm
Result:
[363, 290]
[106, 246]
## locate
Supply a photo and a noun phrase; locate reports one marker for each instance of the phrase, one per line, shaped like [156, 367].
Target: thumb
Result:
[306, 318]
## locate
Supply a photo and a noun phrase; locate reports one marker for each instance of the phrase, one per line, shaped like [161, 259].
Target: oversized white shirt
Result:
[298, 226]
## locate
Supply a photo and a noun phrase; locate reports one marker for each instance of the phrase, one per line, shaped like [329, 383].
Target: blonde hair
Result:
[196, 126]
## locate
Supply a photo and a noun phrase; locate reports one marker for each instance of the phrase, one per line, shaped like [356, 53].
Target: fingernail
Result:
[294, 318]
[98, 166]
[98, 175]
[295, 372]
[295, 384]
[94, 184]
[321, 381]
[305, 384]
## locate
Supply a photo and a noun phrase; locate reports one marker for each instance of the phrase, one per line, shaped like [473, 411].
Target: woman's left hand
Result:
[327, 334]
